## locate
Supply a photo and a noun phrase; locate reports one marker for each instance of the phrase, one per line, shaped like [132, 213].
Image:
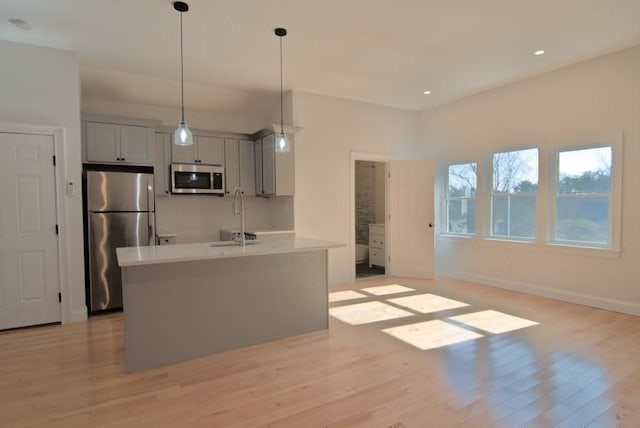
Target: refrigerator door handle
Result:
[151, 201]
[151, 206]
[152, 228]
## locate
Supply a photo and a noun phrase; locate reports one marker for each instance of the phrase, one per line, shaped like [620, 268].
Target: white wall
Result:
[332, 128]
[558, 108]
[40, 89]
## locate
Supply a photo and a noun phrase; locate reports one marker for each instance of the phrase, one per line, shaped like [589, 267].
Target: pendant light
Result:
[182, 136]
[282, 142]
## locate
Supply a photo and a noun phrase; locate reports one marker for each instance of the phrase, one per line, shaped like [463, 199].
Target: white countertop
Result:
[132, 256]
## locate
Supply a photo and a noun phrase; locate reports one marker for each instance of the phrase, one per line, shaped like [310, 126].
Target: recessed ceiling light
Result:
[427, 92]
[539, 52]
[20, 23]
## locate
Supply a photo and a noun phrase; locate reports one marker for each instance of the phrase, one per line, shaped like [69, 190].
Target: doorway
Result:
[369, 218]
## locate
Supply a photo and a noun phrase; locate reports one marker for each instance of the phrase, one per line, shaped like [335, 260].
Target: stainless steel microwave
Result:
[187, 178]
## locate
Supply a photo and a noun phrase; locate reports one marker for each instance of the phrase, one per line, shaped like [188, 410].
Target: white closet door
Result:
[29, 280]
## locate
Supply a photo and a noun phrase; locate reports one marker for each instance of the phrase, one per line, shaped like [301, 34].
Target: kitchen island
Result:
[189, 300]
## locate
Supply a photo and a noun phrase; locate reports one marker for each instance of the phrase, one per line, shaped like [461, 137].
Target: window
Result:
[462, 185]
[513, 195]
[583, 198]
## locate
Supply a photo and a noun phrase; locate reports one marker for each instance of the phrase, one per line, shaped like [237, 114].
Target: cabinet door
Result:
[135, 145]
[376, 257]
[183, 154]
[231, 166]
[269, 165]
[210, 150]
[247, 167]
[161, 166]
[103, 142]
[258, 158]
[285, 173]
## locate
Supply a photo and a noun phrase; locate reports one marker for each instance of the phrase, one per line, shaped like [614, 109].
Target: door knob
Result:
[430, 224]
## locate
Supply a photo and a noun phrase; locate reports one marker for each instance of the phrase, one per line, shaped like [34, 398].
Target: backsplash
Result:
[198, 218]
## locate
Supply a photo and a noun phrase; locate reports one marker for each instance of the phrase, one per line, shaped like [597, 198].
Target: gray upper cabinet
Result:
[118, 143]
[268, 165]
[231, 165]
[275, 174]
[239, 166]
[162, 161]
[247, 167]
[205, 150]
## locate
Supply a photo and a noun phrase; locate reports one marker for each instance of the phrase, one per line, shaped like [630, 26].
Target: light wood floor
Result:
[577, 366]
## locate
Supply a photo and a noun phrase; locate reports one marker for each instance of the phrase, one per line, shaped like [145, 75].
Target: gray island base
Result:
[177, 310]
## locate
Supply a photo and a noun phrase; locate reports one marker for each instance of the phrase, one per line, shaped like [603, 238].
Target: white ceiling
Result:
[378, 51]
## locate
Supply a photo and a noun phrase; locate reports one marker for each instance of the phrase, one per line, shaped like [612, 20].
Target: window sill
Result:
[611, 253]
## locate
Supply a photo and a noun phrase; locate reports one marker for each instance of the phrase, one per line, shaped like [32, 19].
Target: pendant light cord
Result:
[281, 107]
[181, 68]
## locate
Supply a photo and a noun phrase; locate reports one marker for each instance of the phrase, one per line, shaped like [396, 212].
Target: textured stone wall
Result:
[365, 199]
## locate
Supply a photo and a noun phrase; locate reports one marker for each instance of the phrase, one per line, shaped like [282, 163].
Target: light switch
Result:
[71, 189]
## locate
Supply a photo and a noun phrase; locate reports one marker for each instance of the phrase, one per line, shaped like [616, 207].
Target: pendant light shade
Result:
[182, 136]
[282, 142]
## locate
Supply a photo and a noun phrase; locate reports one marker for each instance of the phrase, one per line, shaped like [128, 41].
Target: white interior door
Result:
[29, 281]
[411, 213]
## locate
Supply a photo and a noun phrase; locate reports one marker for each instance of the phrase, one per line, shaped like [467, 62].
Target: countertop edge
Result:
[140, 256]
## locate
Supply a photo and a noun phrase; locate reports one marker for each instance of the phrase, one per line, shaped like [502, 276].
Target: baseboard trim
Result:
[78, 315]
[553, 293]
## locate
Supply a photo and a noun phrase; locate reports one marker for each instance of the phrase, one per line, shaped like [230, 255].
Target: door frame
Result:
[371, 157]
[60, 207]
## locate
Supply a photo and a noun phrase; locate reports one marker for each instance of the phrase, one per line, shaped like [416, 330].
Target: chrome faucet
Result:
[238, 209]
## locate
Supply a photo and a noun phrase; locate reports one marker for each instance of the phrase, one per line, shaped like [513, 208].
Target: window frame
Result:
[445, 200]
[546, 198]
[488, 232]
[614, 196]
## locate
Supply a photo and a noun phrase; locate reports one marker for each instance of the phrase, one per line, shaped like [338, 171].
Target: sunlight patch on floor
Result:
[493, 321]
[431, 334]
[364, 313]
[427, 303]
[341, 296]
[383, 290]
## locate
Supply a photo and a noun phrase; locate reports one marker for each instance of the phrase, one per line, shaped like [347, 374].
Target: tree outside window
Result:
[462, 189]
[583, 196]
[513, 196]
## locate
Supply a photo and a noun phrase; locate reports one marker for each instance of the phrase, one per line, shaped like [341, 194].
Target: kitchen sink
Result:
[230, 243]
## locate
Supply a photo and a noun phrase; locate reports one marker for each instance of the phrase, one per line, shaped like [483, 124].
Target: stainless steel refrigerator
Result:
[120, 212]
